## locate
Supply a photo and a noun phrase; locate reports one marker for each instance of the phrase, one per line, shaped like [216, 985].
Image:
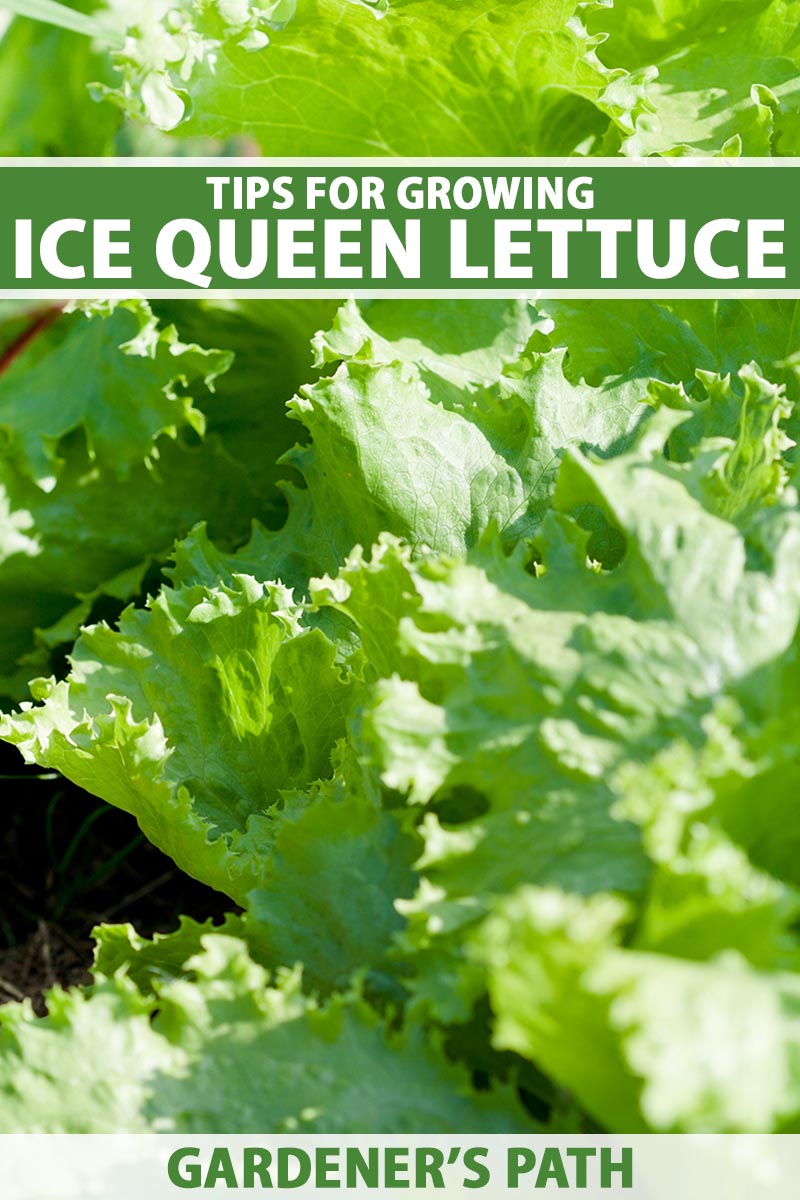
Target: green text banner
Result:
[265, 227]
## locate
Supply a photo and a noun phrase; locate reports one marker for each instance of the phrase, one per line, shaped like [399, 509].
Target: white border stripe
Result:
[534, 164]
[321, 293]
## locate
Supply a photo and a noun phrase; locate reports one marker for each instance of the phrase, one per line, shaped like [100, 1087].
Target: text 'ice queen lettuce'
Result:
[274, 227]
[522, 249]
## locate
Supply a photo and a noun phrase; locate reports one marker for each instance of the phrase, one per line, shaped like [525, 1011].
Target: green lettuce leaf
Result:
[272, 357]
[260, 697]
[647, 1041]
[340, 77]
[95, 485]
[714, 78]
[144, 367]
[673, 339]
[363, 66]
[51, 120]
[338, 867]
[221, 1048]
[439, 423]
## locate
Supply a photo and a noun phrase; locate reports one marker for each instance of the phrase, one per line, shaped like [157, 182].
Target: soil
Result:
[68, 862]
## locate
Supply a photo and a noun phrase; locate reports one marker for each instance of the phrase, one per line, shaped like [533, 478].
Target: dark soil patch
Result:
[68, 862]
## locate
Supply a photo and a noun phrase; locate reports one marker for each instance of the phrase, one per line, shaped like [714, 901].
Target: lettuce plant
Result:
[494, 736]
[100, 477]
[412, 77]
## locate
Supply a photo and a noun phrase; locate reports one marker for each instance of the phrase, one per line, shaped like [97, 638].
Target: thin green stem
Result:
[58, 14]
